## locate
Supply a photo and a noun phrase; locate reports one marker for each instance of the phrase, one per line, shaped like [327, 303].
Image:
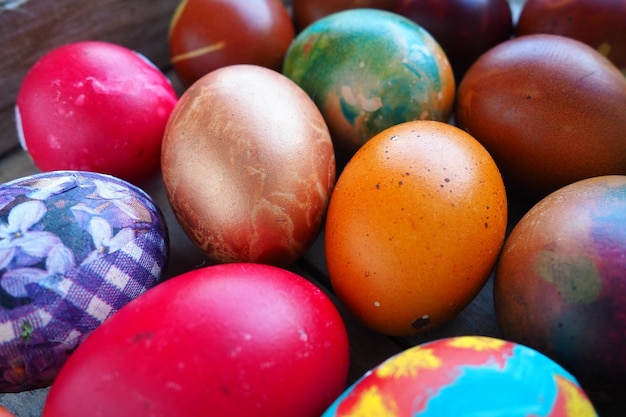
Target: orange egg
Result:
[414, 227]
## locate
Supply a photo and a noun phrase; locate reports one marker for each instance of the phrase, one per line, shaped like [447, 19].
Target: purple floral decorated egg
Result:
[74, 248]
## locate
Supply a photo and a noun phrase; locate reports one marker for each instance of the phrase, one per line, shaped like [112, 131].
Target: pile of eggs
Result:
[361, 121]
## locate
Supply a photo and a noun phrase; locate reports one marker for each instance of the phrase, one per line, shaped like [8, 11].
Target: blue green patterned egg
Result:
[465, 376]
[369, 69]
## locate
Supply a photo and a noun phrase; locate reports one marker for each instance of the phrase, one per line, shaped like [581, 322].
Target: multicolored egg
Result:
[465, 375]
[369, 69]
[563, 269]
[74, 248]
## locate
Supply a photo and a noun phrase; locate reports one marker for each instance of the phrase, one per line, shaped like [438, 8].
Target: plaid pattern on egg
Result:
[74, 249]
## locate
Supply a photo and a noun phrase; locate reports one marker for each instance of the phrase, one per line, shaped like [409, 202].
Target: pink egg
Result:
[95, 106]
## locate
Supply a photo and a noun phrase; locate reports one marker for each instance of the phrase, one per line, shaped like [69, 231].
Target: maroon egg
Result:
[599, 23]
[464, 28]
[209, 34]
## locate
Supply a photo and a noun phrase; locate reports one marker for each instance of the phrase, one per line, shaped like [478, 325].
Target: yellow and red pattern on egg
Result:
[465, 375]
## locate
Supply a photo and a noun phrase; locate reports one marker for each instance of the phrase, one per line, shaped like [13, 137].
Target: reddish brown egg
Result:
[248, 165]
[549, 109]
[209, 34]
[306, 12]
[598, 23]
[464, 28]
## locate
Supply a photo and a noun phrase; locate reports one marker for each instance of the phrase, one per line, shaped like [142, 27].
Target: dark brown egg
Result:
[550, 110]
[248, 166]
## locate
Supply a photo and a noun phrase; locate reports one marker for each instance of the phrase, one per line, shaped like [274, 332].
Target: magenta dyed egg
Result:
[94, 106]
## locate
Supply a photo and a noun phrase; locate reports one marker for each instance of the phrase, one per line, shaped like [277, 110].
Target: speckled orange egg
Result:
[414, 227]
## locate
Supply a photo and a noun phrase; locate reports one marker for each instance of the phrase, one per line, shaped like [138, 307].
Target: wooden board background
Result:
[30, 28]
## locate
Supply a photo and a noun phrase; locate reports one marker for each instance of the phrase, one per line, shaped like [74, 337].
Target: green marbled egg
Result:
[369, 69]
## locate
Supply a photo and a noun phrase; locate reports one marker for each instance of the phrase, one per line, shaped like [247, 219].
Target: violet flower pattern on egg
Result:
[74, 248]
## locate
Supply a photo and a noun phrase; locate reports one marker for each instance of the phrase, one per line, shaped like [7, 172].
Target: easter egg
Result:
[248, 166]
[414, 227]
[208, 34]
[94, 106]
[224, 340]
[5, 413]
[464, 28]
[549, 109]
[563, 270]
[598, 23]
[369, 69]
[74, 248]
[465, 376]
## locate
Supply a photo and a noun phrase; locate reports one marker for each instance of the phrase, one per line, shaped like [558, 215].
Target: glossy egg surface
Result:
[369, 69]
[248, 165]
[208, 34]
[94, 106]
[549, 109]
[465, 375]
[414, 226]
[225, 340]
[74, 248]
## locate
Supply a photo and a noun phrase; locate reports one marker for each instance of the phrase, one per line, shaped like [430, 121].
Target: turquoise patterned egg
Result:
[369, 69]
[465, 376]
[74, 248]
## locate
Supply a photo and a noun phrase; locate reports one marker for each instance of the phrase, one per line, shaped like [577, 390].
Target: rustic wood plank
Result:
[28, 29]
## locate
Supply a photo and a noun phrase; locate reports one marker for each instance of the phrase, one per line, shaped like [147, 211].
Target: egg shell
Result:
[94, 106]
[248, 166]
[369, 69]
[563, 269]
[414, 227]
[463, 376]
[224, 340]
[206, 35]
[549, 109]
[74, 248]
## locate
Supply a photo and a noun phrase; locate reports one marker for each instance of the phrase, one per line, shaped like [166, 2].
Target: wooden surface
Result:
[38, 25]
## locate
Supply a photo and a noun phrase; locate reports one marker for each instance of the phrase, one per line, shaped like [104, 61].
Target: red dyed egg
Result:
[95, 106]
[227, 340]
[209, 34]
